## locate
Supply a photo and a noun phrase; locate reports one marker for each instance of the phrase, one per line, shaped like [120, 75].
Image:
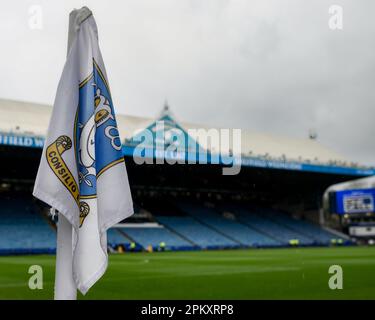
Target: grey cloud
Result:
[271, 66]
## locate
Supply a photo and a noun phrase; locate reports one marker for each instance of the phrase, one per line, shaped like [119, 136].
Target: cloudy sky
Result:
[271, 66]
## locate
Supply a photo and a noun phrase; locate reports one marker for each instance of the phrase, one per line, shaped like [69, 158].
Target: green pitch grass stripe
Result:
[300, 273]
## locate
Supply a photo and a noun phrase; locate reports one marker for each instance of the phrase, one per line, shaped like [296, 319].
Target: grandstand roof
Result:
[362, 183]
[32, 119]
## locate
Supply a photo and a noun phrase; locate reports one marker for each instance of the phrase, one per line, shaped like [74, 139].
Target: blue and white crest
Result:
[97, 142]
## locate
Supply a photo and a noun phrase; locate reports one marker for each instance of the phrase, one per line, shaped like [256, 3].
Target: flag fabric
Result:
[82, 172]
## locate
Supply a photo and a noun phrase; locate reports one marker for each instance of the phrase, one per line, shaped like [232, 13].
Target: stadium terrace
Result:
[274, 201]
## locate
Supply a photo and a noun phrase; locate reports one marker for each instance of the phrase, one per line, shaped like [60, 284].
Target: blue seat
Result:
[196, 232]
[241, 233]
[275, 230]
[22, 228]
[154, 235]
[115, 237]
[320, 235]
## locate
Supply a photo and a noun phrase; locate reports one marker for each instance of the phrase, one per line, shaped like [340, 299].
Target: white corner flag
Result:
[82, 172]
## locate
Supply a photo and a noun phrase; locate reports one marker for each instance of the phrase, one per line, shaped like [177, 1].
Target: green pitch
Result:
[234, 274]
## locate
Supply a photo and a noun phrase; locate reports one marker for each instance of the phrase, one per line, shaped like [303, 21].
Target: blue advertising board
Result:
[9, 139]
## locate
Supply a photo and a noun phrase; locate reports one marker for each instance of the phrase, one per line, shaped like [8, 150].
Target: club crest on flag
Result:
[96, 138]
[96, 141]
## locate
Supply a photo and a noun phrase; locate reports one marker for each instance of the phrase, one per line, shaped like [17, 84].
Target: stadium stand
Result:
[22, 228]
[240, 233]
[154, 236]
[320, 235]
[259, 221]
[182, 225]
[276, 171]
[199, 234]
[115, 238]
[284, 227]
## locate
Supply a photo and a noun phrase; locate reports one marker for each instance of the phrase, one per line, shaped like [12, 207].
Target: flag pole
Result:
[65, 287]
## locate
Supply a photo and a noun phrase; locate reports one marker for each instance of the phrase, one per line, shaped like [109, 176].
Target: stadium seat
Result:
[240, 233]
[260, 222]
[320, 235]
[115, 238]
[196, 232]
[22, 228]
[154, 236]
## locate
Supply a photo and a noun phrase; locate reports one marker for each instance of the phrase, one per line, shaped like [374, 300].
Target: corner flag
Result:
[82, 172]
